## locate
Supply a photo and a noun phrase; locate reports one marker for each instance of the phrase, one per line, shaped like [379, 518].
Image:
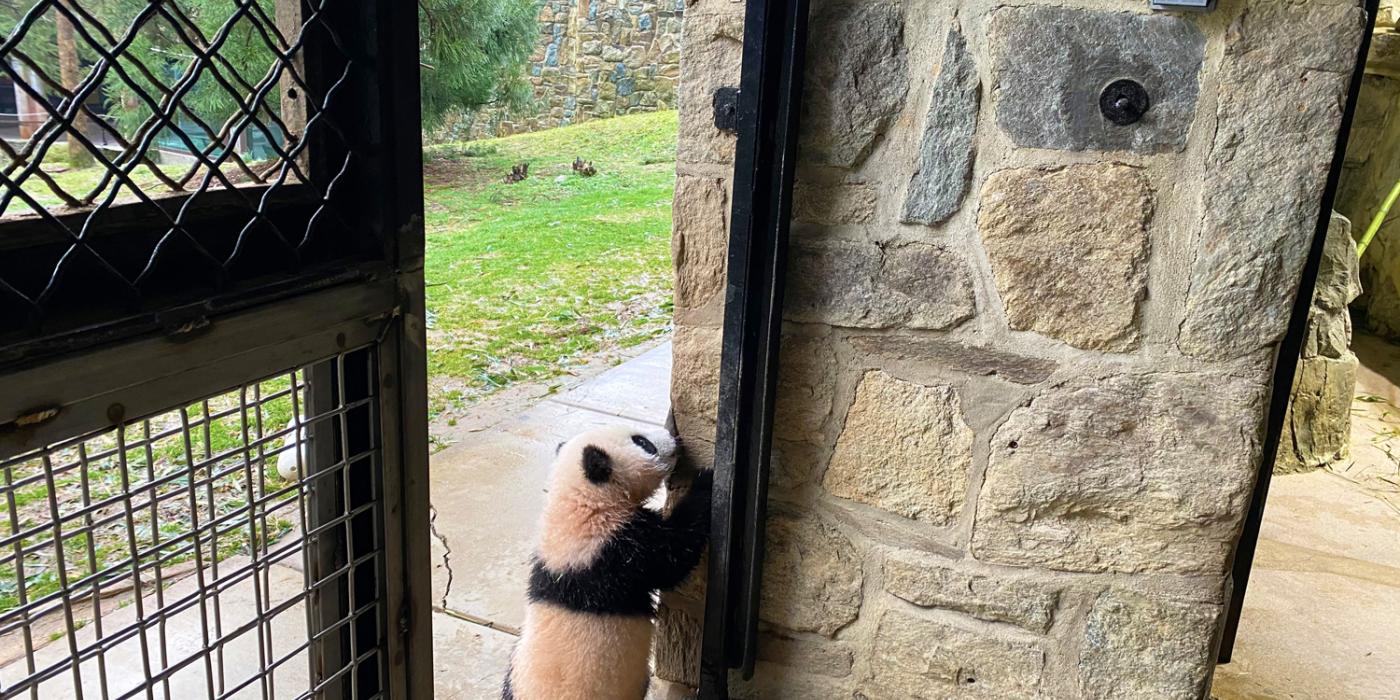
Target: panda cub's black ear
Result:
[597, 465]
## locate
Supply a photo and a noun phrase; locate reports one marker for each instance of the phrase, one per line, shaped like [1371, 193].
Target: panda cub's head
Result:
[615, 462]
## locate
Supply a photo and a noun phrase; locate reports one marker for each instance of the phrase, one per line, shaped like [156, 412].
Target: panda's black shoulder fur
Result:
[649, 552]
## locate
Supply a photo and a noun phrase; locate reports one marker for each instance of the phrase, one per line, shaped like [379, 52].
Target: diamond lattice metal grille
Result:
[228, 547]
[160, 148]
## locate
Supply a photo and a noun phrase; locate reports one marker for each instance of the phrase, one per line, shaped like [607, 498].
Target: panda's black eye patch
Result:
[597, 465]
[644, 443]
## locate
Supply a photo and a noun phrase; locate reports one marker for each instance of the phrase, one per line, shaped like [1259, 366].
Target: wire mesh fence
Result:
[228, 547]
[142, 120]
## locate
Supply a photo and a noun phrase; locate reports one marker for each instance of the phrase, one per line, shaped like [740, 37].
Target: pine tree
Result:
[474, 53]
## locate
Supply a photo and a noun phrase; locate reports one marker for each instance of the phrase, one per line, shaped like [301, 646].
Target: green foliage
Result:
[161, 50]
[473, 54]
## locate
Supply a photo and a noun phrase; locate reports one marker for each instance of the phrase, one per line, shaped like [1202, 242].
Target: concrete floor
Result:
[1322, 615]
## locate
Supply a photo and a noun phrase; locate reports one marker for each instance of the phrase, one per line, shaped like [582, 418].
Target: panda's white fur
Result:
[599, 559]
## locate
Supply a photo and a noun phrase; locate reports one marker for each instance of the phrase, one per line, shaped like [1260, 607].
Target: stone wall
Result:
[1317, 427]
[596, 59]
[1027, 352]
[1372, 169]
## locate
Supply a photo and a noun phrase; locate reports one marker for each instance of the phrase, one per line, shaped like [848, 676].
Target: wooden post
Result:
[289, 20]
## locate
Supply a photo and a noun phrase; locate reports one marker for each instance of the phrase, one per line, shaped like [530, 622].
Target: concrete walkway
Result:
[487, 492]
[1322, 615]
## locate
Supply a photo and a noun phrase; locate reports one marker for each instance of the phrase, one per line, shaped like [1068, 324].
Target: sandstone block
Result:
[695, 373]
[713, 50]
[1317, 427]
[1282, 80]
[857, 79]
[699, 239]
[811, 576]
[676, 647]
[932, 583]
[905, 449]
[824, 659]
[969, 359]
[912, 657]
[1052, 63]
[862, 285]
[806, 378]
[940, 183]
[1123, 473]
[1140, 647]
[1068, 248]
[832, 203]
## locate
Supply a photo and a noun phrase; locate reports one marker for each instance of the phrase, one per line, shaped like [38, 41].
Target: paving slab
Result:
[469, 661]
[639, 389]
[487, 493]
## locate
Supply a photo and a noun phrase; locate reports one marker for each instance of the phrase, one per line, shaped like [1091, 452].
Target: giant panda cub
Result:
[600, 558]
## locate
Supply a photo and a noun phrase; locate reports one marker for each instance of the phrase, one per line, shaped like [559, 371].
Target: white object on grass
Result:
[287, 458]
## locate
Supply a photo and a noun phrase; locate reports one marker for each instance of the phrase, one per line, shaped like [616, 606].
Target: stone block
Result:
[913, 657]
[976, 360]
[1317, 426]
[933, 583]
[713, 50]
[940, 183]
[676, 646]
[1053, 62]
[820, 203]
[811, 576]
[1068, 248]
[904, 448]
[1135, 646]
[695, 375]
[857, 80]
[806, 379]
[1338, 284]
[829, 659]
[1282, 81]
[699, 239]
[863, 285]
[1122, 473]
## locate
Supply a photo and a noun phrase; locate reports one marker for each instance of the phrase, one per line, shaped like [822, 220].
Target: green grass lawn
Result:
[526, 280]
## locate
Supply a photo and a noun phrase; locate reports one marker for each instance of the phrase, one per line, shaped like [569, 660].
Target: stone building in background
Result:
[595, 59]
[1027, 352]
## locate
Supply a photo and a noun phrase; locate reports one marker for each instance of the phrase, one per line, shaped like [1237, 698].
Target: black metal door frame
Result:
[769, 104]
[1289, 352]
[350, 309]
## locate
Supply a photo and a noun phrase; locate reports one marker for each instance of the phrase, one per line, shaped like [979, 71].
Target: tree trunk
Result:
[70, 74]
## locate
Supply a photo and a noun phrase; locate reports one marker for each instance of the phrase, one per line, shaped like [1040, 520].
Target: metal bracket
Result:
[726, 104]
[1181, 5]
